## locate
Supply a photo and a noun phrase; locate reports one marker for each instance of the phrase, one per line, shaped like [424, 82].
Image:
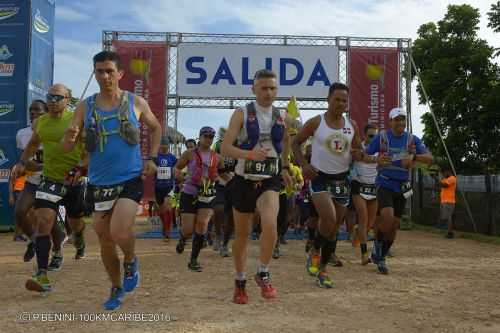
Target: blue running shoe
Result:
[131, 275]
[115, 299]
[382, 267]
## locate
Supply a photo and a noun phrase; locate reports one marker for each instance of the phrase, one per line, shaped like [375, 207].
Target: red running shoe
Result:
[263, 279]
[240, 293]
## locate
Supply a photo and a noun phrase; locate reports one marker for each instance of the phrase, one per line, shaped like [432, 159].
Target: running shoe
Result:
[277, 251]
[80, 253]
[335, 261]
[312, 264]
[39, 282]
[323, 280]
[30, 251]
[180, 245]
[79, 243]
[283, 240]
[115, 299]
[131, 275]
[194, 266]
[263, 280]
[309, 245]
[450, 235]
[240, 294]
[20, 238]
[382, 267]
[224, 251]
[365, 259]
[376, 253]
[55, 263]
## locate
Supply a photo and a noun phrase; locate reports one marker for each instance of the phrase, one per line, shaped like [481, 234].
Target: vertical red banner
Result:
[373, 76]
[145, 65]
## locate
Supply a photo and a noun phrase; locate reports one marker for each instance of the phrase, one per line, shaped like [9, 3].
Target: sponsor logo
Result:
[3, 158]
[6, 108]
[5, 53]
[6, 69]
[4, 175]
[40, 24]
[7, 12]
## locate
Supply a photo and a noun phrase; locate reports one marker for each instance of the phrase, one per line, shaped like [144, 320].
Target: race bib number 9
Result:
[268, 168]
[164, 173]
[50, 191]
[338, 188]
[105, 197]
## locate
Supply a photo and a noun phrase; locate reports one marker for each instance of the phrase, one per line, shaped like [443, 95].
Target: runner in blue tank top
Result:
[116, 169]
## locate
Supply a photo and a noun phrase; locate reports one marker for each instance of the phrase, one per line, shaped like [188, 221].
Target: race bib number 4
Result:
[50, 191]
[268, 168]
[338, 188]
[105, 197]
[164, 173]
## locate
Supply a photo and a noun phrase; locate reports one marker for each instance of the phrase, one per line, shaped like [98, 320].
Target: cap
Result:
[397, 112]
[207, 130]
[165, 140]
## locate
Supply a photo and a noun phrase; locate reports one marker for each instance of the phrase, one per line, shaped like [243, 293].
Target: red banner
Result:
[145, 65]
[373, 85]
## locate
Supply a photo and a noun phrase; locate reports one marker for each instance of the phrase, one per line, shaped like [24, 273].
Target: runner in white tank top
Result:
[335, 142]
[364, 192]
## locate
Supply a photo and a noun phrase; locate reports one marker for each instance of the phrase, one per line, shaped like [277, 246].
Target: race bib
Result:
[339, 189]
[164, 173]
[105, 197]
[50, 191]
[368, 191]
[406, 190]
[266, 169]
[207, 193]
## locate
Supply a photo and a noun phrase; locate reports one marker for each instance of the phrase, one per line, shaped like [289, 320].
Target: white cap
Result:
[397, 112]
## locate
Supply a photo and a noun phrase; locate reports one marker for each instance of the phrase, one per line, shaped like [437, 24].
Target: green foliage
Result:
[463, 85]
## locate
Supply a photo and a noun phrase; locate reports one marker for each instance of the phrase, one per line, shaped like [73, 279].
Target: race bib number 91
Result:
[269, 167]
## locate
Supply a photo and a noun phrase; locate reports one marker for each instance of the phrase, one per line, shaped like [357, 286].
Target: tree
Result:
[494, 18]
[463, 85]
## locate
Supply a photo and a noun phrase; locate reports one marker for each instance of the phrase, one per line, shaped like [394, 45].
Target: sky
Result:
[79, 25]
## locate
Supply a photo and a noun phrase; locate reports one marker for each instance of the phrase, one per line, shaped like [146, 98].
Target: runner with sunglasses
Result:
[198, 193]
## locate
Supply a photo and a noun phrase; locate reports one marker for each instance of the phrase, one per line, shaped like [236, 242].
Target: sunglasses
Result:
[54, 98]
[210, 136]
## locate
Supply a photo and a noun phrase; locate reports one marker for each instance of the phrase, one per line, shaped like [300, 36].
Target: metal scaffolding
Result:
[173, 40]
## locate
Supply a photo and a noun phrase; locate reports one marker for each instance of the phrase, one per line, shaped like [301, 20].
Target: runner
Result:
[116, 170]
[262, 142]
[335, 139]
[164, 185]
[198, 193]
[397, 152]
[364, 192]
[59, 185]
[223, 207]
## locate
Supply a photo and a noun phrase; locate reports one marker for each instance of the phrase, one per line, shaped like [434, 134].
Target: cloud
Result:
[70, 14]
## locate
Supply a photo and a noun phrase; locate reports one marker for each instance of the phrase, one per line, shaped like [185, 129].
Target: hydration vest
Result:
[197, 174]
[385, 145]
[96, 134]
[253, 130]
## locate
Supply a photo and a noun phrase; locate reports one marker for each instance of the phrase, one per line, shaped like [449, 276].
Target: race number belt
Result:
[106, 196]
[206, 193]
[266, 169]
[406, 190]
[164, 173]
[50, 191]
[368, 191]
[339, 189]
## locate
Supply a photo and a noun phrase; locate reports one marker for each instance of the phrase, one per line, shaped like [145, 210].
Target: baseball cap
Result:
[397, 112]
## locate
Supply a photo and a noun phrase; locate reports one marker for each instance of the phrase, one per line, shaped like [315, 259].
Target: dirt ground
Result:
[435, 285]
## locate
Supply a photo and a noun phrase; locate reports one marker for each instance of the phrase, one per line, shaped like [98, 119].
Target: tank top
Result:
[189, 186]
[365, 173]
[119, 161]
[56, 163]
[331, 148]
[265, 119]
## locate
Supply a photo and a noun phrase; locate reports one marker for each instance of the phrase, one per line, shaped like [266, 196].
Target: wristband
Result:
[250, 155]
